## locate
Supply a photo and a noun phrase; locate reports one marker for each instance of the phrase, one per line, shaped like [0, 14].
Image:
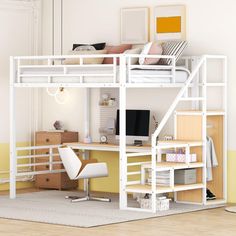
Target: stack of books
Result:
[162, 178]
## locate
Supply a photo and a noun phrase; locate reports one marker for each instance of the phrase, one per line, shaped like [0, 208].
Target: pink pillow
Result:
[116, 50]
[155, 49]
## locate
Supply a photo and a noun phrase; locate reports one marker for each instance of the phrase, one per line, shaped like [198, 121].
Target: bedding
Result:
[106, 73]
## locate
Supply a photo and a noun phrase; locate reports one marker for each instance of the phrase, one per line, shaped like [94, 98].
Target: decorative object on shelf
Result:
[170, 22]
[88, 139]
[134, 25]
[106, 101]
[62, 96]
[58, 125]
[103, 139]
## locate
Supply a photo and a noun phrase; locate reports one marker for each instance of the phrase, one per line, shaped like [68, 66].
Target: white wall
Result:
[17, 27]
[210, 30]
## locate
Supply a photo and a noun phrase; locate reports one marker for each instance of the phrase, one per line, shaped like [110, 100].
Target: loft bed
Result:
[51, 71]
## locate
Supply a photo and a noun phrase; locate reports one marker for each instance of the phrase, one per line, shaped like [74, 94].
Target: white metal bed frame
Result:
[198, 67]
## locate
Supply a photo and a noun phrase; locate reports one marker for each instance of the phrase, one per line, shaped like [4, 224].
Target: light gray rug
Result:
[51, 207]
[231, 209]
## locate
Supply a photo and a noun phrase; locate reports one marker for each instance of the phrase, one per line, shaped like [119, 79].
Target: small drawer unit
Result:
[54, 180]
[186, 176]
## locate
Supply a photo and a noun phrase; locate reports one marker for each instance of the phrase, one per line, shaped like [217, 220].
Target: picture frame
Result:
[170, 22]
[134, 25]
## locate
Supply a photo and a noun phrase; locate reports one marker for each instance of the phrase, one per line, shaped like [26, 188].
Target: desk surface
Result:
[107, 147]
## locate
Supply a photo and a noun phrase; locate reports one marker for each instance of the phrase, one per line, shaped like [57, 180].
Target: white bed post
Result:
[123, 157]
[12, 131]
[87, 112]
[225, 76]
[204, 133]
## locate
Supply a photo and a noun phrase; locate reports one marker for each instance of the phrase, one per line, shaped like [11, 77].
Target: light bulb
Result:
[62, 96]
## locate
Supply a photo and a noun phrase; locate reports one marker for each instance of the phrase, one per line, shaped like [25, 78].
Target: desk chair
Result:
[77, 169]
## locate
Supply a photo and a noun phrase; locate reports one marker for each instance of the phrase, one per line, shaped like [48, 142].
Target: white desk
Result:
[107, 147]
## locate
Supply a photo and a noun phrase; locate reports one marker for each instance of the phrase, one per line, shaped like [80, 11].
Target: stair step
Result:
[199, 112]
[192, 99]
[215, 84]
[180, 143]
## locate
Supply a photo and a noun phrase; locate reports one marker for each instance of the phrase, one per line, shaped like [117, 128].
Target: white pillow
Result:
[134, 60]
[145, 52]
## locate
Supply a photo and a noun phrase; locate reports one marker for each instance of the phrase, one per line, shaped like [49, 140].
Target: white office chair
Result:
[77, 169]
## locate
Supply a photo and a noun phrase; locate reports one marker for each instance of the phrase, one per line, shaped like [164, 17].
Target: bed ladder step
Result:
[192, 99]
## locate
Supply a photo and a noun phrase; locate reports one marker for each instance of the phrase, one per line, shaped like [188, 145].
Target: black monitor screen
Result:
[137, 122]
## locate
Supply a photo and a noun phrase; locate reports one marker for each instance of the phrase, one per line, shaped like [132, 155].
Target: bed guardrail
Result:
[74, 70]
[73, 66]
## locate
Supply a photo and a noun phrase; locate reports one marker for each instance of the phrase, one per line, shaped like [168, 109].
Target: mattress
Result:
[100, 75]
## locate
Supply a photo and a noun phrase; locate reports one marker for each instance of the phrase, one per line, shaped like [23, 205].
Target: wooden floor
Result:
[216, 222]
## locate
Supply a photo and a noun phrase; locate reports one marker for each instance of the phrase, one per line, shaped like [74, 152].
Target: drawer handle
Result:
[47, 153]
[47, 179]
[47, 166]
[47, 140]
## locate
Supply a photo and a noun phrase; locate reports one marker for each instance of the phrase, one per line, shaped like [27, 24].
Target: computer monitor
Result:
[137, 126]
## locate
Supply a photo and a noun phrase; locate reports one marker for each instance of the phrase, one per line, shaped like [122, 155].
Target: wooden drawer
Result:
[55, 181]
[68, 137]
[50, 181]
[47, 138]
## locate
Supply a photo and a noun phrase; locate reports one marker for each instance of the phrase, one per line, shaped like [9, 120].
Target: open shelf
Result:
[145, 188]
[175, 165]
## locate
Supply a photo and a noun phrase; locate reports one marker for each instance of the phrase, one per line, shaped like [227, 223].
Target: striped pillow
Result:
[172, 48]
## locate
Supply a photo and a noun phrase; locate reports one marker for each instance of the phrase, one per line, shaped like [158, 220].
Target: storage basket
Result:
[162, 204]
[180, 157]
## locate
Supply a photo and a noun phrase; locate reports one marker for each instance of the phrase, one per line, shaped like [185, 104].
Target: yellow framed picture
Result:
[170, 22]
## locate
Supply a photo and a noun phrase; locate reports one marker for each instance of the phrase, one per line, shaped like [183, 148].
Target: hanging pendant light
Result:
[52, 91]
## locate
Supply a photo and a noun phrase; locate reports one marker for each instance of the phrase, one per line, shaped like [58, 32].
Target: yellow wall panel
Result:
[232, 176]
[168, 24]
[4, 165]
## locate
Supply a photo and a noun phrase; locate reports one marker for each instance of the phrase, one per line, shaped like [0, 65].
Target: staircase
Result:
[156, 164]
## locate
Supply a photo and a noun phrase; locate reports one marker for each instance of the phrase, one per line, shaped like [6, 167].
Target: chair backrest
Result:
[70, 161]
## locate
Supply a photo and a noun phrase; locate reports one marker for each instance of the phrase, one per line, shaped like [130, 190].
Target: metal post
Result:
[225, 129]
[204, 117]
[123, 157]
[12, 131]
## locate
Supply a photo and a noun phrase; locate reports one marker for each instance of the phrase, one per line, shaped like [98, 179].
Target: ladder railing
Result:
[177, 100]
